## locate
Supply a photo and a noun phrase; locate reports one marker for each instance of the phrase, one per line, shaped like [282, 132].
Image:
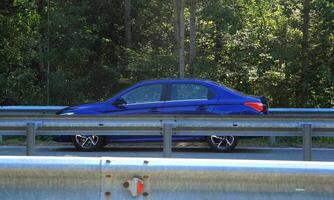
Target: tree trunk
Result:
[177, 24]
[181, 30]
[127, 17]
[305, 74]
[44, 49]
[192, 37]
[217, 46]
[41, 37]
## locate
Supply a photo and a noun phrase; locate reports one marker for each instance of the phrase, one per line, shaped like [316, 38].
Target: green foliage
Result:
[251, 46]
[150, 63]
[18, 36]
[20, 87]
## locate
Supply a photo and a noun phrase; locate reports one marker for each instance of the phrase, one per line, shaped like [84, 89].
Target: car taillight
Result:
[255, 105]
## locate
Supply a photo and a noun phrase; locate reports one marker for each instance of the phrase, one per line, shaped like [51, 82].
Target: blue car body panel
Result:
[220, 101]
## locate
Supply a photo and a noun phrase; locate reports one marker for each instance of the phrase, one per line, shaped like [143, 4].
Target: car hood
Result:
[74, 108]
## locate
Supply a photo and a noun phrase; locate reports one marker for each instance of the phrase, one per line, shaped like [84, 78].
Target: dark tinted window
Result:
[189, 92]
[144, 94]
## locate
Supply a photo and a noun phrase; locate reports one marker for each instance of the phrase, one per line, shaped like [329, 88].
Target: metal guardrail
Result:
[24, 110]
[74, 178]
[28, 110]
[306, 126]
[51, 110]
[319, 111]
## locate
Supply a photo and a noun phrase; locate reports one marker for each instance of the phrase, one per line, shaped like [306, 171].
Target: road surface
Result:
[251, 153]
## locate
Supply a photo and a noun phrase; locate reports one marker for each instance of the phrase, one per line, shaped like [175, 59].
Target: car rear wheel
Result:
[222, 143]
[88, 142]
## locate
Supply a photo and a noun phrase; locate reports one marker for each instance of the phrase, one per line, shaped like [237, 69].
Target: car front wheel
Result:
[222, 143]
[88, 142]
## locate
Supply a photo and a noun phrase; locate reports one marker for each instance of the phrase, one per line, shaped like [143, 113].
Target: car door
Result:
[189, 98]
[145, 99]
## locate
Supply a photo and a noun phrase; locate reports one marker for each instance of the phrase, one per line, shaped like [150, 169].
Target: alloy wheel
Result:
[222, 142]
[87, 141]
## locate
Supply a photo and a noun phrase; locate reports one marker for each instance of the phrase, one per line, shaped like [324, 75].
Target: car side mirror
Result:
[119, 102]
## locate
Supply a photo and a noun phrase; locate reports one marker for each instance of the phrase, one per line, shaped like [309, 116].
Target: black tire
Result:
[88, 142]
[222, 143]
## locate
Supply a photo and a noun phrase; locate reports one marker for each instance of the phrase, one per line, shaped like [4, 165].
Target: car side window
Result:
[188, 91]
[144, 94]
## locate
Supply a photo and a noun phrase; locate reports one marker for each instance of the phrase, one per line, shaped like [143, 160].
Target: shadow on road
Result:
[158, 149]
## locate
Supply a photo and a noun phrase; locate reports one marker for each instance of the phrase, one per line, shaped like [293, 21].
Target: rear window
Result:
[189, 92]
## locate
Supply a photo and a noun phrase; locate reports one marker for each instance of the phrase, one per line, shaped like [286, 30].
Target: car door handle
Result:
[154, 110]
[202, 108]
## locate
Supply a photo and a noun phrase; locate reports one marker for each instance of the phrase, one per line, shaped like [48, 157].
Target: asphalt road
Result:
[250, 153]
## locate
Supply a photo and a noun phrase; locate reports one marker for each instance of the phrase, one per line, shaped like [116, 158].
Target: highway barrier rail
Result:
[306, 126]
[51, 110]
[75, 178]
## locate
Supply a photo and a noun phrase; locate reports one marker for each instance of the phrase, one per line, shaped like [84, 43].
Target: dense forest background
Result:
[62, 52]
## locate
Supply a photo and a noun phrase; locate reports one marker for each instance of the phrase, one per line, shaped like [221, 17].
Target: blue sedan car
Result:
[170, 96]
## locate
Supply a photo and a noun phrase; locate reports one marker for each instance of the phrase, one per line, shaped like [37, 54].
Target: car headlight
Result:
[69, 113]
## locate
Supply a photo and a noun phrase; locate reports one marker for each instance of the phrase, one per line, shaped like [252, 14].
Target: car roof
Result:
[165, 80]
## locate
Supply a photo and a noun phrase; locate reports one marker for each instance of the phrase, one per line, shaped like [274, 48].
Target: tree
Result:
[192, 36]
[127, 17]
[19, 72]
[305, 74]
[280, 49]
[179, 33]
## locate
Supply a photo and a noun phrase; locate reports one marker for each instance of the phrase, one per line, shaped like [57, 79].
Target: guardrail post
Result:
[30, 138]
[272, 140]
[307, 141]
[167, 131]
